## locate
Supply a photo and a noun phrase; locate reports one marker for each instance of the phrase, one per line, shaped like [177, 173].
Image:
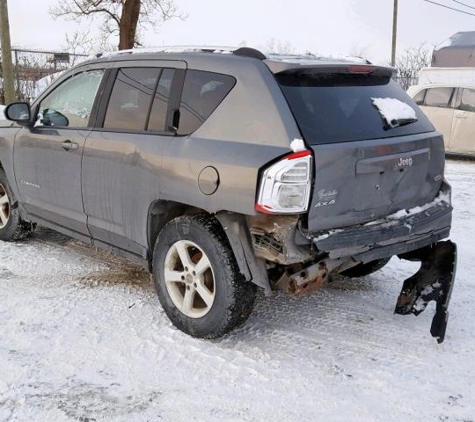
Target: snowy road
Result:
[83, 338]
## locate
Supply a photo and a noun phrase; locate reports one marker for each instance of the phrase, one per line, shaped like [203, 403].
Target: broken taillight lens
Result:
[285, 185]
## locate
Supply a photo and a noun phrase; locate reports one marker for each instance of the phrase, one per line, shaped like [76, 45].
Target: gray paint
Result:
[106, 188]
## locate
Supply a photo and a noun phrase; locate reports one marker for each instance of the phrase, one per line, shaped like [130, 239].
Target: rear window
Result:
[338, 108]
[202, 93]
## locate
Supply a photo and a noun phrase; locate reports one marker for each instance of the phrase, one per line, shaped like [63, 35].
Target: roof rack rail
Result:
[238, 51]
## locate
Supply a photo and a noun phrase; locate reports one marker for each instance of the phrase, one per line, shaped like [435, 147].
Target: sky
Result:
[336, 27]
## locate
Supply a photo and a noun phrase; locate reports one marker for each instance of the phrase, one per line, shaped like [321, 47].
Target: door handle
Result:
[461, 116]
[70, 146]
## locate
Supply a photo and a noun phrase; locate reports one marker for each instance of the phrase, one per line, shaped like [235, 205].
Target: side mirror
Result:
[18, 112]
[52, 117]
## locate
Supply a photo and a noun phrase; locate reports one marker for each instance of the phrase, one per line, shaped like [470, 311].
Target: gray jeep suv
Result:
[224, 169]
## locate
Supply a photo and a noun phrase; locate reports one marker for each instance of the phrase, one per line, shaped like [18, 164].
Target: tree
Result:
[411, 62]
[124, 18]
[7, 65]
[81, 46]
[279, 47]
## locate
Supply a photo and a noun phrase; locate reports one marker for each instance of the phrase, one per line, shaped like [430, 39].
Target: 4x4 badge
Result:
[326, 198]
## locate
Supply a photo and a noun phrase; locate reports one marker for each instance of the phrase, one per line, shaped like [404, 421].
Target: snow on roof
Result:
[308, 58]
[174, 49]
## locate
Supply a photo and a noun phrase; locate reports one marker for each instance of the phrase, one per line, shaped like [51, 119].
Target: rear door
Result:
[364, 169]
[463, 130]
[123, 154]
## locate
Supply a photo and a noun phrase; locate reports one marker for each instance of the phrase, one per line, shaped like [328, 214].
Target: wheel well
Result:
[160, 213]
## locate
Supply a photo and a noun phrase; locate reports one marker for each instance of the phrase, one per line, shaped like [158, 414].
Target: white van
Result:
[451, 109]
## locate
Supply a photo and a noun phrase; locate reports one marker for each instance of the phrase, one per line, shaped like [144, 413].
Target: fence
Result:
[406, 81]
[32, 66]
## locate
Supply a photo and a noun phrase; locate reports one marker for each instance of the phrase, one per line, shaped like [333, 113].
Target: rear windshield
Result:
[338, 107]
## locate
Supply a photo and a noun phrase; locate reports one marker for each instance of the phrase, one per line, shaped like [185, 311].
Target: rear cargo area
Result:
[365, 166]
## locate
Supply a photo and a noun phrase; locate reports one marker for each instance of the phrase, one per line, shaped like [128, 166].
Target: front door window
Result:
[70, 104]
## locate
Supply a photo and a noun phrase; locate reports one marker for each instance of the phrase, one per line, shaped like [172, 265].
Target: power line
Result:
[448, 7]
[463, 4]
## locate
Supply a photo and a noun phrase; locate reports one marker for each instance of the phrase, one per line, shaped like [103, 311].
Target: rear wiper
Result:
[394, 112]
[398, 123]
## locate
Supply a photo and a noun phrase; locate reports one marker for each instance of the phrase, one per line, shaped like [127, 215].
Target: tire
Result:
[197, 279]
[363, 270]
[12, 227]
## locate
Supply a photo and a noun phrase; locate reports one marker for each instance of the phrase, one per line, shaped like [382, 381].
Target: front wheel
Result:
[11, 225]
[198, 280]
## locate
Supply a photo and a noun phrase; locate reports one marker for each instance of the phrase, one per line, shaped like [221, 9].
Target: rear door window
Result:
[130, 100]
[202, 93]
[332, 108]
[468, 100]
[158, 113]
[439, 97]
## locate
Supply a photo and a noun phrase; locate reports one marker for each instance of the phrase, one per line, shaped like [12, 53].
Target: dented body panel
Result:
[369, 197]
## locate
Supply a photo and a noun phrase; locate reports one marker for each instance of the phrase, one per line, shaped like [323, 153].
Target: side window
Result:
[468, 100]
[158, 114]
[202, 93]
[419, 98]
[129, 103]
[70, 104]
[438, 97]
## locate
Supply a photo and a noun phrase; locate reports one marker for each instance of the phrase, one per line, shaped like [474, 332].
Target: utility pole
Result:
[393, 52]
[7, 65]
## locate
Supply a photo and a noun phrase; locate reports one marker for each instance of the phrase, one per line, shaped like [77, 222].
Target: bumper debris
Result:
[434, 281]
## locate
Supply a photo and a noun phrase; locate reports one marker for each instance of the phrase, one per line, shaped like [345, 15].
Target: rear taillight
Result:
[285, 185]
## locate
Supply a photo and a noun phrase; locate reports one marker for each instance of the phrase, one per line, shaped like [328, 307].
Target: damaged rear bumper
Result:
[386, 238]
[434, 281]
[415, 237]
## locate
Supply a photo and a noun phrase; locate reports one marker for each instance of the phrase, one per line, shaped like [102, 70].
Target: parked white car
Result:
[451, 109]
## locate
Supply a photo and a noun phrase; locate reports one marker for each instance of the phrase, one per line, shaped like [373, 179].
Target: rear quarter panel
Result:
[250, 128]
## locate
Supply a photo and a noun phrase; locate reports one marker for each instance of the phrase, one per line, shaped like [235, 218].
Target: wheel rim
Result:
[4, 207]
[189, 279]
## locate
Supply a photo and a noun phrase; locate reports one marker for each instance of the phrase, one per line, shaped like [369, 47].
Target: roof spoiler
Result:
[338, 68]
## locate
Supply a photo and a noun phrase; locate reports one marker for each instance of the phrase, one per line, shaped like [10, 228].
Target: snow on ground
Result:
[83, 338]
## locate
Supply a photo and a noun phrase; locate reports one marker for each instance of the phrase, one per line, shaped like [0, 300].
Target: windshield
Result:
[339, 107]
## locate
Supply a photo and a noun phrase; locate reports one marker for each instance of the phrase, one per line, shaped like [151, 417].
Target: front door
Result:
[463, 130]
[438, 108]
[48, 156]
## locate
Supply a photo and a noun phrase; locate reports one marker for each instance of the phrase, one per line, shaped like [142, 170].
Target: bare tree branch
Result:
[123, 17]
[411, 62]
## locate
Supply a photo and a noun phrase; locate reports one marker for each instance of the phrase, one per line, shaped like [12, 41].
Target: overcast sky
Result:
[321, 26]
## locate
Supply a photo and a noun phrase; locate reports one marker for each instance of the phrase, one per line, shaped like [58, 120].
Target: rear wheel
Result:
[197, 278]
[11, 225]
[362, 270]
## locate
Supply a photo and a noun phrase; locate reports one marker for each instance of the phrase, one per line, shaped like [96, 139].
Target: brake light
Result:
[362, 69]
[285, 185]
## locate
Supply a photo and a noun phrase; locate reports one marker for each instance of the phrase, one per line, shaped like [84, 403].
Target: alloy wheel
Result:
[189, 279]
[4, 207]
